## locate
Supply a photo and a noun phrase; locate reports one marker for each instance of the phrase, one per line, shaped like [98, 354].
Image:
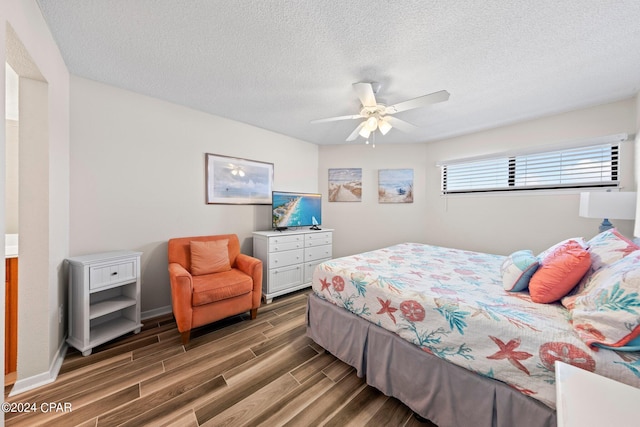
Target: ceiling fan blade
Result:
[333, 119]
[418, 102]
[355, 133]
[400, 124]
[365, 93]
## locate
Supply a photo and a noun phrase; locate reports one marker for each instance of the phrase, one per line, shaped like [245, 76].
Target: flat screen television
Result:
[296, 210]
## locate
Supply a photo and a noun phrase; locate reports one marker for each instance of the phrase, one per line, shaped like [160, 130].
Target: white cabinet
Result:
[289, 258]
[104, 298]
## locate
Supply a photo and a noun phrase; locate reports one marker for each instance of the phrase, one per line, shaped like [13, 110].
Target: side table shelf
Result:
[104, 298]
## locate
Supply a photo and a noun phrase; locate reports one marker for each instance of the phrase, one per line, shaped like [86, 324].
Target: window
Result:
[591, 166]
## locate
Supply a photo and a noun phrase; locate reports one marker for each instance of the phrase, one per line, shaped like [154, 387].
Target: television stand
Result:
[289, 258]
[281, 228]
[315, 227]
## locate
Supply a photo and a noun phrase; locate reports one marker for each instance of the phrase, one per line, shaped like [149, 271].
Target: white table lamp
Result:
[608, 205]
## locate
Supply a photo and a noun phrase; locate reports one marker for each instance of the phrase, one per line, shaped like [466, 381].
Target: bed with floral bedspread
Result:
[452, 305]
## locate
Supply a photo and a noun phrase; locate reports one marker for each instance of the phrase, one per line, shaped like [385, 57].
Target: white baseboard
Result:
[156, 312]
[26, 384]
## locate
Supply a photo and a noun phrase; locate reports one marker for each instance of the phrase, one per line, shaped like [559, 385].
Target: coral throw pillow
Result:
[209, 257]
[559, 272]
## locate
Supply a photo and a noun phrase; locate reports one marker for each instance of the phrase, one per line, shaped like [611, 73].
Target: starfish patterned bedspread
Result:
[451, 303]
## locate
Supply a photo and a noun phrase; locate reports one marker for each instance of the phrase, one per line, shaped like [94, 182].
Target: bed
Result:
[435, 328]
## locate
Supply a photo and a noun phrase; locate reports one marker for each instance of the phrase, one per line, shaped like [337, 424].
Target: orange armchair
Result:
[200, 299]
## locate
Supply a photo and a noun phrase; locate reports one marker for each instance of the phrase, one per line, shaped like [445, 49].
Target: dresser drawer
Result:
[284, 258]
[317, 252]
[285, 246]
[279, 243]
[285, 278]
[110, 274]
[309, 268]
[317, 239]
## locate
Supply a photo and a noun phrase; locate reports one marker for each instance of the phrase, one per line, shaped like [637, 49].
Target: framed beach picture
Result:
[345, 185]
[395, 186]
[238, 181]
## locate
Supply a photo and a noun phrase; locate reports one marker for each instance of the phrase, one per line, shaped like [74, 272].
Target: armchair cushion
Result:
[209, 257]
[220, 286]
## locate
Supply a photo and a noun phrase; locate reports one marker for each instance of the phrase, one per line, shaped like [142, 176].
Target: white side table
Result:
[104, 298]
[585, 399]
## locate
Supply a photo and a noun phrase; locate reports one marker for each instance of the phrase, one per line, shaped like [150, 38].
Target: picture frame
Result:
[395, 186]
[345, 185]
[236, 181]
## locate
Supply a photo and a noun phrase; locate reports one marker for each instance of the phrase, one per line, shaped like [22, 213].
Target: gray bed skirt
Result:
[440, 391]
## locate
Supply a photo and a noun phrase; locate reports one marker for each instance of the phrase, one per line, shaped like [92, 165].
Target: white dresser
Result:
[289, 258]
[104, 298]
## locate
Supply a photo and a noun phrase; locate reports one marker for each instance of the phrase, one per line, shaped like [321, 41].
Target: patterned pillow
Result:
[517, 269]
[605, 249]
[608, 247]
[609, 312]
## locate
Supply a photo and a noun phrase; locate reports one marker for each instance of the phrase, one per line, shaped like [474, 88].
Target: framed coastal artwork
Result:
[345, 185]
[395, 186]
[235, 181]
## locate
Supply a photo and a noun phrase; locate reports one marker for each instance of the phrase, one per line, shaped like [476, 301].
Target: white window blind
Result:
[591, 166]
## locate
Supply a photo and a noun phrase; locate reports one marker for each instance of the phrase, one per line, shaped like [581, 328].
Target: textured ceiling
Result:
[280, 64]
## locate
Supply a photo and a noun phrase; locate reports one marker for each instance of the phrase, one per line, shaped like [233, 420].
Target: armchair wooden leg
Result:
[185, 337]
[254, 313]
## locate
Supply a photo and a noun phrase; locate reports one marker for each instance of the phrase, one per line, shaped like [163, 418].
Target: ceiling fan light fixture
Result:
[384, 126]
[380, 116]
[372, 124]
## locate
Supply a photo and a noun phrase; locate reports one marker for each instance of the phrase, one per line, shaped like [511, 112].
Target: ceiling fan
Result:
[379, 116]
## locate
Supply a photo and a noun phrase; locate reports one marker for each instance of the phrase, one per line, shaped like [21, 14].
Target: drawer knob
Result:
[114, 273]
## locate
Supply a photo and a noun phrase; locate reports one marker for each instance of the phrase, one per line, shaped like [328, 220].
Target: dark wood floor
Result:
[235, 372]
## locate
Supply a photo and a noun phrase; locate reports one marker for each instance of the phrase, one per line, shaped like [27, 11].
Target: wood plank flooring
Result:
[236, 372]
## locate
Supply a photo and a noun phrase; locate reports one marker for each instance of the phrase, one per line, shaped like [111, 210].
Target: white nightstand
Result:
[585, 399]
[104, 298]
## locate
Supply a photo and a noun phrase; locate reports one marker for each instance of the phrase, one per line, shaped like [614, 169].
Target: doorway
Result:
[11, 225]
[31, 197]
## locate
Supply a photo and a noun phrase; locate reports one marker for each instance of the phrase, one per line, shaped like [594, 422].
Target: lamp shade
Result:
[610, 205]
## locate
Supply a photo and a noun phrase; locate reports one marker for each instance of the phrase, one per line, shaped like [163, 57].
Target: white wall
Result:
[367, 225]
[489, 223]
[11, 175]
[504, 223]
[138, 177]
[40, 334]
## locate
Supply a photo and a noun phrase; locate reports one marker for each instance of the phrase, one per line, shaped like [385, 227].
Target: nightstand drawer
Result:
[106, 275]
